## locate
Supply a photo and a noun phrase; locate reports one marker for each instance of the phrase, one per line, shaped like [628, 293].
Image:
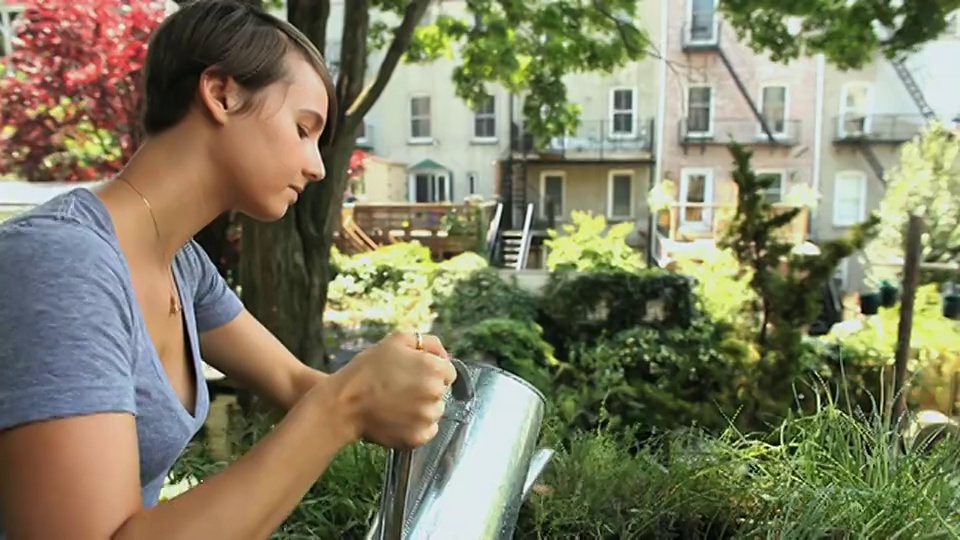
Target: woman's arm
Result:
[250, 355]
[78, 478]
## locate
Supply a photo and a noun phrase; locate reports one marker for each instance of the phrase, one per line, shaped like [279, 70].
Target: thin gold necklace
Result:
[174, 295]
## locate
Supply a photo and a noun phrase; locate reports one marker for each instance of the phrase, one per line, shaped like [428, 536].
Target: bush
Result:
[483, 295]
[588, 244]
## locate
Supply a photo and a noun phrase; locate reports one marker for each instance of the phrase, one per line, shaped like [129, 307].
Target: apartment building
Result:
[721, 91]
[867, 115]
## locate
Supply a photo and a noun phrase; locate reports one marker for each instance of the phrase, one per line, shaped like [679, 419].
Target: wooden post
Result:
[911, 275]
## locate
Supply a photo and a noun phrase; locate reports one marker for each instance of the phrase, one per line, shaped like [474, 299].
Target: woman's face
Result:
[272, 151]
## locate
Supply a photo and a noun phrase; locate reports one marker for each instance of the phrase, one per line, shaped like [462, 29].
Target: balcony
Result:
[594, 140]
[693, 229]
[701, 35]
[878, 128]
[745, 131]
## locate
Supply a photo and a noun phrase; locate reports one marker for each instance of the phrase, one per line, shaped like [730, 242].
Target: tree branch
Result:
[412, 16]
[311, 17]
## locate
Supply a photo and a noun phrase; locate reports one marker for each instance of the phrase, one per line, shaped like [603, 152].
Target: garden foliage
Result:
[70, 97]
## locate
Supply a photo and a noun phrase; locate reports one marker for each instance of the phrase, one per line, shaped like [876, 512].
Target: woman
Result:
[106, 305]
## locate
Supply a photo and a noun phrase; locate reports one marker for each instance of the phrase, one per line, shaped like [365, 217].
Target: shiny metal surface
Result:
[468, 482]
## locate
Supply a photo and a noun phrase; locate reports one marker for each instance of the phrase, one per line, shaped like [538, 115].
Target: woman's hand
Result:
[392, 392]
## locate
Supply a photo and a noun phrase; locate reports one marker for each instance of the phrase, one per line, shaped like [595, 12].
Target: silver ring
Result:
[419, 337]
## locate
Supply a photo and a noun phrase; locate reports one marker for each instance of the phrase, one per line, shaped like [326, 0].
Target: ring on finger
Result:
[419, 338]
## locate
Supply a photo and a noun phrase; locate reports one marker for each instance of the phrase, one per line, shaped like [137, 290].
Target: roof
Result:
[428, 164]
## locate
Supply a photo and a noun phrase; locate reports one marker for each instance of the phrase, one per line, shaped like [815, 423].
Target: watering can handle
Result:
[462, 388]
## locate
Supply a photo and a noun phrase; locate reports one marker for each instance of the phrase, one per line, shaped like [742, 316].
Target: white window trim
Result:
[5, 11]
[419, 140]
[844, 91]
[713, 106]
[716, 25]
[412, 184]
[478, 115]
[709, 194]
[786, 110]
[611, 103]
[783, 179]
[633, 183]
[543, 193]
[861, 210]
[364, 139]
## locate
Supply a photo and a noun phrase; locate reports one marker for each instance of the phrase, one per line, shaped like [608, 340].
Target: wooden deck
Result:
[447, 229]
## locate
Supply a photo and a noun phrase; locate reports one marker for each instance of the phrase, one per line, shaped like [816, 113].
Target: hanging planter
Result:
[889, 294]
[951, 305]
[870, 303]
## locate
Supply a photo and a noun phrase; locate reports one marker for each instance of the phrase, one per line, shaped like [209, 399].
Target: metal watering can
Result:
[469, 481]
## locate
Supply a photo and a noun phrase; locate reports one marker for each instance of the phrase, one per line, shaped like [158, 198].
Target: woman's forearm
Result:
[251, 498]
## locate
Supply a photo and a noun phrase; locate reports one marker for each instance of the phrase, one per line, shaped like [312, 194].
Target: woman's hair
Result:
[238, 40]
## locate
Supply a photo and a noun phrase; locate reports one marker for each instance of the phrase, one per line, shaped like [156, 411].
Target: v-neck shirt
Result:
[73, 340]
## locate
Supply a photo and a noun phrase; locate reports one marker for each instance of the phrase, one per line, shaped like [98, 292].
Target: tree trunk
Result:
[284, 268]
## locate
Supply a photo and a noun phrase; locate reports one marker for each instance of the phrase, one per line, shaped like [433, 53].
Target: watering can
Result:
[469, 481]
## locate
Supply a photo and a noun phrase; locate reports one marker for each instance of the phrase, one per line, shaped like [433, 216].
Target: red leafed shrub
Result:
[70, 98]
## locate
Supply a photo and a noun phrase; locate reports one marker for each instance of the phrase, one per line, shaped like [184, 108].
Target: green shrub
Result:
[580, 307]
[516, 346]
[587, 244]
[485, 294]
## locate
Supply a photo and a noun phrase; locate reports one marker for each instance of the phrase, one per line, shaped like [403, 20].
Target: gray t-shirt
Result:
[72, 337]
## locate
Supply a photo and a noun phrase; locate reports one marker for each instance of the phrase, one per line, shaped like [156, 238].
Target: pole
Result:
[911, 275]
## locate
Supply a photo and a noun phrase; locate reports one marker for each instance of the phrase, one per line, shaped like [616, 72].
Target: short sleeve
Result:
[214, 302]
[66, 325]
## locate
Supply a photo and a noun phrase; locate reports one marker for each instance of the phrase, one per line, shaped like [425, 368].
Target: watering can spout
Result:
[538, 463]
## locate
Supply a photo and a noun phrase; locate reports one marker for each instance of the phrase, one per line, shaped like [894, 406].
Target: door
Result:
[856, 102]
[696, 192]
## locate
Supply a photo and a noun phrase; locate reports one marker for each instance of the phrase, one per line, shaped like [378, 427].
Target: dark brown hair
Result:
[242, 42]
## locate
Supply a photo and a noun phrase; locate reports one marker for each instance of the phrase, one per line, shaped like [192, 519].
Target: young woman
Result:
[107, 306]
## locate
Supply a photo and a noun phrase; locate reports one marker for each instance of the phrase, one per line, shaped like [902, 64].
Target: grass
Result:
[826, 475]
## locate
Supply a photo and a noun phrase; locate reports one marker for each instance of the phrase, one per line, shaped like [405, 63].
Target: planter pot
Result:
[951, 306]
[870, 303]
[889, 294]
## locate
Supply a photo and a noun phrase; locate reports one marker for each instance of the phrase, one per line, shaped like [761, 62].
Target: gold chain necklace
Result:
[174, 295]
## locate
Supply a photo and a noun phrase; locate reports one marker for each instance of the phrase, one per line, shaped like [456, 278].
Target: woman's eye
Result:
[302, 132]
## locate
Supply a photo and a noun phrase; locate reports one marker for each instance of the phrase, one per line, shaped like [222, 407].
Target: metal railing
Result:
[598, 138]
[741, 130]
[893, 128]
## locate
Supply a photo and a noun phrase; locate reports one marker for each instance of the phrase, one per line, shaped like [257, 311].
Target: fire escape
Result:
[903, 72]
[703, 34]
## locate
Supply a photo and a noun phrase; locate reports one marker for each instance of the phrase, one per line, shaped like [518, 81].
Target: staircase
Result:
[746, 94]
[871, 157]
[516, 243]
[900, 66]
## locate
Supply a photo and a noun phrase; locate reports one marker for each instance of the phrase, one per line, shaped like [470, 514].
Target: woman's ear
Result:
[219, 94]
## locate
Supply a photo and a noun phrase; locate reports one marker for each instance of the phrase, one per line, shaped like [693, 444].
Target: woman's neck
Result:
[165, 195]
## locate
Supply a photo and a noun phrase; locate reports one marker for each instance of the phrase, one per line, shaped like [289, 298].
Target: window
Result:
[430, 186]
[703, 21]
[552, 190]
[856, 103]
[774, 193]
[953, 25]
[696, 195]
[849, 198]
[485, 120]
[700, 111]
[620, 195]
[472, 182]
[362, 133]
[420, 128]
[623, 113]
[773, 108]
[8, 14]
